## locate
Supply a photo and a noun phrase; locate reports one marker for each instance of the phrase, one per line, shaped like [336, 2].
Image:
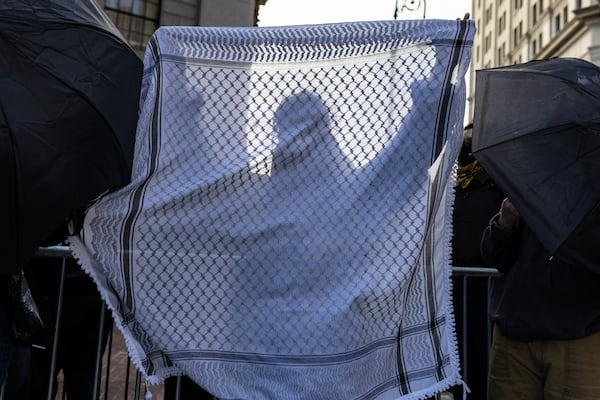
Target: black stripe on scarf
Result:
[440, 138]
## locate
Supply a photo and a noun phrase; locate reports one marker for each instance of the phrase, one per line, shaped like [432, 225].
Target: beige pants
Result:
[544, 370]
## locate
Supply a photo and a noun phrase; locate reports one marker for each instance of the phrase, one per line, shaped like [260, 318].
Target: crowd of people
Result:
[545, 312]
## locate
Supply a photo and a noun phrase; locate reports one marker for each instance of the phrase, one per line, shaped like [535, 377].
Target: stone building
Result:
[138, 19]
[517, 31]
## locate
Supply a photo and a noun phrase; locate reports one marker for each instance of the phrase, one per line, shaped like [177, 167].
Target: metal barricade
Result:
[468, 276]
[113, 369]
[113, 372]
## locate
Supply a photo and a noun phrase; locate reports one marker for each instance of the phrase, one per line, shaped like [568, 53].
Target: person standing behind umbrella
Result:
[476, 200]
[546, 316]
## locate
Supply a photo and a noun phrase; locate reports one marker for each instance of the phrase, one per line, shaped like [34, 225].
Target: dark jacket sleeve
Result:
[500, 246]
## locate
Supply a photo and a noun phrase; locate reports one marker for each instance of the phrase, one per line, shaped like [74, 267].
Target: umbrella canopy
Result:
[69, 92]
[537, 133]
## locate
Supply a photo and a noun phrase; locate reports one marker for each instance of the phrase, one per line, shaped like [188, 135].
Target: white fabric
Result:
[286, 231]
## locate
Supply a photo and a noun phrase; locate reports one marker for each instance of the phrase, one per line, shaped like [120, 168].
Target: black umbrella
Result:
[537, 133]
[69, 91]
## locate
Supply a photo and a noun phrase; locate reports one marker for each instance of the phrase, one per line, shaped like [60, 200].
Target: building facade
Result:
[138, 19]
[517, 31]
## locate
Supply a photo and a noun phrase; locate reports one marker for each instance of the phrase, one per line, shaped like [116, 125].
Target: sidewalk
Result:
[121, 383]
[119, 378]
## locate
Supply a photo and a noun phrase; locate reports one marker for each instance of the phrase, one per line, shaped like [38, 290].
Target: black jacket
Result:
[473, 208]
[538, 297]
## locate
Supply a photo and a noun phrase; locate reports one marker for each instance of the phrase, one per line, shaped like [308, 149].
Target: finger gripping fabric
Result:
[286, 232]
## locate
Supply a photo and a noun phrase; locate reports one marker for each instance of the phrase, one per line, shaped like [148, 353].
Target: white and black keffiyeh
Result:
[286, 231]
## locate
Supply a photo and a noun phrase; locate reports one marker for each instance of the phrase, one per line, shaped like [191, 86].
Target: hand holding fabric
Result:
[509, 215]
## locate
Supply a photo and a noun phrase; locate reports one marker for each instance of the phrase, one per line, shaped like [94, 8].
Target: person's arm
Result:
[501, 238]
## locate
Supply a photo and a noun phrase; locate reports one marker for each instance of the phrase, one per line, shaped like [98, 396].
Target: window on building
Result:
[477, 54]
[136, 19]
[520, 29]
[488, 14]
[502, 23]
[540, 41]
[515, 36]
[557, 23]
[541, 5]
[487, 43]
[534, 14]
[565, 15]
[534, 48]
[577, 4]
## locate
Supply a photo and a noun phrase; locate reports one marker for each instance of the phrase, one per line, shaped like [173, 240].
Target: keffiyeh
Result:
[286, 231]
